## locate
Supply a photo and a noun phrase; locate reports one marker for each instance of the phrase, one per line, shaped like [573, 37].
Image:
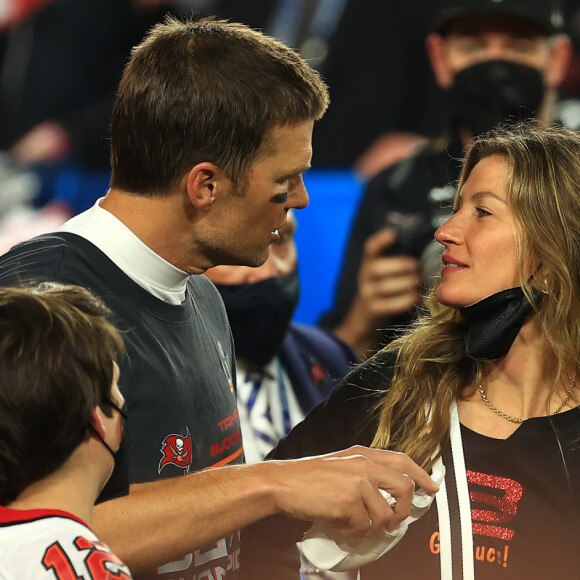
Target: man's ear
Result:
[436, 50]
[560, 56]
[202, 183]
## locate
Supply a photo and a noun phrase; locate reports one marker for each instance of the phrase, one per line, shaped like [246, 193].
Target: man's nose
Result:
[298, 196]
[495, 51]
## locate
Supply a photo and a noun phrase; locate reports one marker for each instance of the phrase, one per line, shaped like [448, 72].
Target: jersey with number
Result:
[53, 545]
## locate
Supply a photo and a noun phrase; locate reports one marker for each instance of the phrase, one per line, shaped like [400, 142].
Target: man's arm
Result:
[162, 521]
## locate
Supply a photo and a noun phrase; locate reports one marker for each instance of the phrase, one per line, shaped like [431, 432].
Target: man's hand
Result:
[387, 286]
[344, 487]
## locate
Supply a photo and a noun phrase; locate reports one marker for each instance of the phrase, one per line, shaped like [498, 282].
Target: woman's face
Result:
[480, 256]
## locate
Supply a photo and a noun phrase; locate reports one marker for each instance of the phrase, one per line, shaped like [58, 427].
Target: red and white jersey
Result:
[53, 545]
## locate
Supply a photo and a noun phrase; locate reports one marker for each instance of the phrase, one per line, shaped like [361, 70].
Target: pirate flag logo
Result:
[176, 449]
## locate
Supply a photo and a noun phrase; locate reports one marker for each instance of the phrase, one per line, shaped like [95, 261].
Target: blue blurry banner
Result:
[321, 236]
[71, 185]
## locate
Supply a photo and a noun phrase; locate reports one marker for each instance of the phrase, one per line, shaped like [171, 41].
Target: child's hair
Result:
[57, 350]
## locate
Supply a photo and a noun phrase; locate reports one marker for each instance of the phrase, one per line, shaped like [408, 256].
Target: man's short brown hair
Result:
[205, 90]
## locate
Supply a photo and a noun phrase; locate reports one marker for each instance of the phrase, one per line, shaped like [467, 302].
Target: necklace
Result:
[522, 419]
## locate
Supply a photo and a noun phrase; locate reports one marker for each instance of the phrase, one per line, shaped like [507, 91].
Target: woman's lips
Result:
[451, 265]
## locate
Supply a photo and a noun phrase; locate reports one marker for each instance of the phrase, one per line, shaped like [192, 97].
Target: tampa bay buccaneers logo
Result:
[176, 449]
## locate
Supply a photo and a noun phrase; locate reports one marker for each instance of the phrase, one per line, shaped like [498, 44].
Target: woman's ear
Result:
[543, 278]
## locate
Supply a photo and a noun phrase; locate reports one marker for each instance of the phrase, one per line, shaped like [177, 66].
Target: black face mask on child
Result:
[119, 476]
[495, 322]
[491, 92]
[260, 314]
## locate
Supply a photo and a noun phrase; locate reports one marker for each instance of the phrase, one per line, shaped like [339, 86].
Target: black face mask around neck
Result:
[260, 314]
[491, 92]
[495, 321]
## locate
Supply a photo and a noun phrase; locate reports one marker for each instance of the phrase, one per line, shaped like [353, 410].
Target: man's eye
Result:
[470, 46]
[523, 46]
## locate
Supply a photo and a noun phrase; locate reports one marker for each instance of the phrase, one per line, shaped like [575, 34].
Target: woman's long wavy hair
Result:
[432, 369]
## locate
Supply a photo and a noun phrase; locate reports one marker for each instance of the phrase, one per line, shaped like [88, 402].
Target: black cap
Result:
[544, 13]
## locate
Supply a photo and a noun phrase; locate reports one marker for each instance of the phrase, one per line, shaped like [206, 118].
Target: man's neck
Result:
[160, 222]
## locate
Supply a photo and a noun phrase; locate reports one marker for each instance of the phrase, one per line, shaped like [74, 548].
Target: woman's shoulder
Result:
[375, 373]
[347, 417]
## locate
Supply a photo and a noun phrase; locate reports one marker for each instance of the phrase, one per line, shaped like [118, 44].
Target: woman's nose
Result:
[449, 232]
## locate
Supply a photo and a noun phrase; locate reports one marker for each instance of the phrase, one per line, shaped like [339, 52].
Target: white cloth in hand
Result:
[330, 549]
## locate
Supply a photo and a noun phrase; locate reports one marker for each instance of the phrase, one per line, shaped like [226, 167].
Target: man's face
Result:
[248, 221]
[472, 40]
[281, 262]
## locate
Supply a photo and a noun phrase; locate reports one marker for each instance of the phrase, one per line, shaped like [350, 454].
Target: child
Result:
[60, 424]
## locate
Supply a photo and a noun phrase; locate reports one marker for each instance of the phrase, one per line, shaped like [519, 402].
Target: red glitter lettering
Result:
[493, 531]
[505, 507]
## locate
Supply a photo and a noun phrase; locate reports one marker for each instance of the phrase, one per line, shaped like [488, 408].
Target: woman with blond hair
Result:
[485, 380]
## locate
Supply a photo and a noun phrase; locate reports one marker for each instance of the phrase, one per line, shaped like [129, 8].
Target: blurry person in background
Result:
[58, 79]
[496, 60]
[283, 369]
